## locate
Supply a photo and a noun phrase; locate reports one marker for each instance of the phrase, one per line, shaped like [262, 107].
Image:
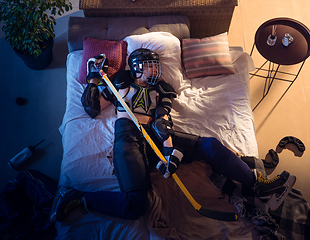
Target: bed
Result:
[214, 104]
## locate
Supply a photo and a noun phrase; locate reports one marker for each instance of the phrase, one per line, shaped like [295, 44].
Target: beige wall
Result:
[290, 116]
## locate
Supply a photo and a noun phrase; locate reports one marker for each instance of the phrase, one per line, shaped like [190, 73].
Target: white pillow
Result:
[168, 47]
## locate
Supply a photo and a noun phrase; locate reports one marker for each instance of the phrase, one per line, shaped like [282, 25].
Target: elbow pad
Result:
[161, 111]
[166, 97]
[162, 129]
[90, 100]
[122, 80]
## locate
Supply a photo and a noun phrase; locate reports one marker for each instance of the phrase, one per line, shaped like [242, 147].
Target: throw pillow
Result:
[207, 56]
[115, 51]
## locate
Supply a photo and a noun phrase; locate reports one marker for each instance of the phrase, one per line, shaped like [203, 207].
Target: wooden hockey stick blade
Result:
[217, 215]
[223, 216]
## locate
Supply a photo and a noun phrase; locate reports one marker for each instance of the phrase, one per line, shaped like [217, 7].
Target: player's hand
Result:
[173, 157]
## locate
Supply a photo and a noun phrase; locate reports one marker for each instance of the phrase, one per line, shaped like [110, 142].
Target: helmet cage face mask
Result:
[150, 68]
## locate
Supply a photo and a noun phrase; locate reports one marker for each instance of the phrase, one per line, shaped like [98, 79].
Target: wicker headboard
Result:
[207, 17]
[117, 28]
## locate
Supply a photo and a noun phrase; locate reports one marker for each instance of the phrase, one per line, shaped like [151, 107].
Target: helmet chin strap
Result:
[150, 81]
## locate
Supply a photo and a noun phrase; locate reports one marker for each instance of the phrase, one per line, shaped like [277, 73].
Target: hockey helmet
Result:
[142, 60]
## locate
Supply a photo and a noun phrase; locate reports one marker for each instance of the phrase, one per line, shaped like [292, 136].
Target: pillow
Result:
[168, 47]
[115, 51]
[207, 56]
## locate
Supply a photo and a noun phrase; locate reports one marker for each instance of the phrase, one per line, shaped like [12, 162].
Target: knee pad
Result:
[161, 128]
[185, 142]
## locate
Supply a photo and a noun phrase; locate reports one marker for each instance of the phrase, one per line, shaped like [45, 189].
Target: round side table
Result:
[281, 52]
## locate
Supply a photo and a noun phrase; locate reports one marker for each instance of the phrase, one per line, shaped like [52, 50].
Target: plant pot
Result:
[42, 61]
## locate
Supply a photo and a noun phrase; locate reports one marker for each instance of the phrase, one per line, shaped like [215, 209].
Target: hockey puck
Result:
[21, 101]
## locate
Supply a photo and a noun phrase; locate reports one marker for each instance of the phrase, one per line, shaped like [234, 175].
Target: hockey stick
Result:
[223, 216]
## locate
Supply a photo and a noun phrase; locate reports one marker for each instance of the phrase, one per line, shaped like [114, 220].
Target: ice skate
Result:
[66, 200]
[273, 191]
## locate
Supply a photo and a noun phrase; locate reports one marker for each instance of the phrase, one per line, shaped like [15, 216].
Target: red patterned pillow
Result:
[207, 56]
[115, 51]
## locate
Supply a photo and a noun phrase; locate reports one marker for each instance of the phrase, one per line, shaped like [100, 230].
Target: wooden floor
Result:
[276, 118]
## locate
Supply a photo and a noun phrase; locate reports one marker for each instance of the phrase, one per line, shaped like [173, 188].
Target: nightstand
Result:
[289, 46]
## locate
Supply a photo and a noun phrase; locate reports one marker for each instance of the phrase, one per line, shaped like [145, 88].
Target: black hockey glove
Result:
[99, 62]
[90, 100]
[173, 157]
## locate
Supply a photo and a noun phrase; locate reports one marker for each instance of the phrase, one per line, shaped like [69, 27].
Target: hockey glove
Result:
[94, 63]
[90, 100]
[173, 157]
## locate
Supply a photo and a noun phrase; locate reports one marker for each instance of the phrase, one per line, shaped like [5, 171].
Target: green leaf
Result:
[26, 22]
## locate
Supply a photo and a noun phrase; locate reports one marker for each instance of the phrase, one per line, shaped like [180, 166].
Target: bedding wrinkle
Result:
[228, 115]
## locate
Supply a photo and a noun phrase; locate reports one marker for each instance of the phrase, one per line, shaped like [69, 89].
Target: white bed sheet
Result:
[217, 106]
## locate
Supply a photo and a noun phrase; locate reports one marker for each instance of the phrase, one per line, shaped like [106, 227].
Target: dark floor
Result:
[41, 116]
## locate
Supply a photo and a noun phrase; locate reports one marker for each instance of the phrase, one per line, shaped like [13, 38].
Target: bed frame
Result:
[117, 28]
[207, 17]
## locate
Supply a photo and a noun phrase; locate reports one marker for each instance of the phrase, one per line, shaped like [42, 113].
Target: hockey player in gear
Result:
[150, 99]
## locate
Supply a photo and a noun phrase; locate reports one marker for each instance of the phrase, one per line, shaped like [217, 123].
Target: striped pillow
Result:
[207, 56]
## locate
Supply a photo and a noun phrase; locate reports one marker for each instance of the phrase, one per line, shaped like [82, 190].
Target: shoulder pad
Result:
[165, 88]
[122, 79]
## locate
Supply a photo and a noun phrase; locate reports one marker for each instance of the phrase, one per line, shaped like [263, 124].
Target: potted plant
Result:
[29, 28]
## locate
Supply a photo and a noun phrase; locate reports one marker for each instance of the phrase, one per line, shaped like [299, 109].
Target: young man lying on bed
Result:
[150, 99]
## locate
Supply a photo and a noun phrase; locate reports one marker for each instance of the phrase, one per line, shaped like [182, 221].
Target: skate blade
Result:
[60, 192]
[275, 201]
